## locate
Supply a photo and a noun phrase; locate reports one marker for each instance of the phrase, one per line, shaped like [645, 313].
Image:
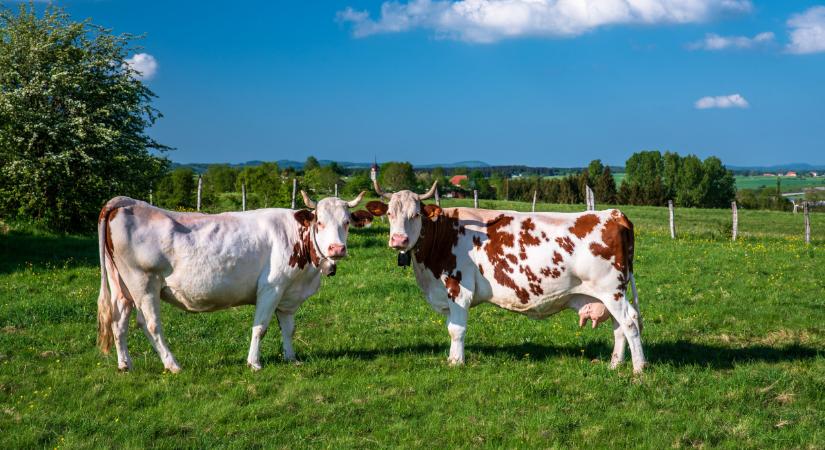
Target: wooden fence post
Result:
[151, 202]
[475, 198]
[535, 194]
[591, 198]
[735, 219]
[672, 223]
[200, 188]
[437, 198]
[336, 190]
[294, 189]
[805, 211]
[243, 196]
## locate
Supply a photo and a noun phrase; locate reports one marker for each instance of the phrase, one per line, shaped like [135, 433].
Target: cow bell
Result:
[403, 259]
[327, 267]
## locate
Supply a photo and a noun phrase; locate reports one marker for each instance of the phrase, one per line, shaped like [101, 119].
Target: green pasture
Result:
[733, 333]
[787, 184]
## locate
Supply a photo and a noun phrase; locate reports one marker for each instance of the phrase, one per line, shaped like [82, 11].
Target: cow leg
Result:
[628, 319]
[147, 301]
[141, 321]
[619, 342]
[268, 299]
[121, 311]
[286, 320]
[457, 327]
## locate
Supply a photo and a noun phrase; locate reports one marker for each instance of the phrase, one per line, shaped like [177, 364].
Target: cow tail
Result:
[105, 337]
[629, 249]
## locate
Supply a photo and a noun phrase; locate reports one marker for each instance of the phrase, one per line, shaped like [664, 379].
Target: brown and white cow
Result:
[536, 264]
[271, 258]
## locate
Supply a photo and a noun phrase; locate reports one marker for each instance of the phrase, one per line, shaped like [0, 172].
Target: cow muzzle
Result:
[399, 241]
[336, 251]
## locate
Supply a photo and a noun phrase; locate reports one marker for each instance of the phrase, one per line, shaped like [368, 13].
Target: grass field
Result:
[733, 332]
[788, 184]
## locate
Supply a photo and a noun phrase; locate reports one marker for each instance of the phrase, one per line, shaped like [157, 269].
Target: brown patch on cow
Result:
[303, 251]
[477, 241]
[533, 280]
[566, 244]
[498, 240]
[617, 245]
[557, 258]
[453, 284]
[435, 246]
[525, 239]
[584, 225]
[481, 270]
[553, 272]
[544, 236]
[618, 296]
[377, 208]
[109, 216]
[361, 218]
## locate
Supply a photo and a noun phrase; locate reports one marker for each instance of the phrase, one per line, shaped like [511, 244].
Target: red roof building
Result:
[457, 179]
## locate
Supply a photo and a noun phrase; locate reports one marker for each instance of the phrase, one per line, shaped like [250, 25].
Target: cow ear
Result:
[377, 208]
[304, 217]
[432, 211]
[361, 218]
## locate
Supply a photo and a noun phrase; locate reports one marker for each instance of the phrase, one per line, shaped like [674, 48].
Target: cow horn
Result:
[379, 191]
[308, 201]
[354, 202]
[429, 193]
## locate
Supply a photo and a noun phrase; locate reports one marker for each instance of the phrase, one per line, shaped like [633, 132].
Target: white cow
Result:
[536, 264]
[270, 258]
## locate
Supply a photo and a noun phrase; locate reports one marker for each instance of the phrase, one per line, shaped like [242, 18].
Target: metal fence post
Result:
[672, 223]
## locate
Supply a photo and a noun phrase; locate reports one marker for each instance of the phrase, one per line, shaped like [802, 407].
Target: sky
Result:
[534, 82]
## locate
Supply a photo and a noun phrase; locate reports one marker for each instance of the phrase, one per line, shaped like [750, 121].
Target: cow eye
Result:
[390, 215]
[320, 225]
[417, 215]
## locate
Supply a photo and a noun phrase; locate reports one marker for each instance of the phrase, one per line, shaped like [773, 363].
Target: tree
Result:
[220, 178]
[177, 189]
[718, 186]
[266, 184]
[73, 120]
[689, 192]
[396, 176]
[359, 181]
[594, 170]
[671, 165]
[605, 190]
[322, 180]
[311, 163]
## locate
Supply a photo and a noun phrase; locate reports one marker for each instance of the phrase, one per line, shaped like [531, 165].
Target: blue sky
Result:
[527, 82]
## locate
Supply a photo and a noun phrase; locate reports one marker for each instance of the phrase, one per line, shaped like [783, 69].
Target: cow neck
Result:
[434, 248]
[310, 245]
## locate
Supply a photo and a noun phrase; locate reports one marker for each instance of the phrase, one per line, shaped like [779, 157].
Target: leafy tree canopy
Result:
[73, 120]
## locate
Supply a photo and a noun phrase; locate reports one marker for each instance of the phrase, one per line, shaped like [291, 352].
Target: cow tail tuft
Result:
[105, 337]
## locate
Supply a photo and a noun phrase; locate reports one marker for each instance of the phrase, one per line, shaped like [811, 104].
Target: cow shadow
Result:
[24, 250]
[679, 353]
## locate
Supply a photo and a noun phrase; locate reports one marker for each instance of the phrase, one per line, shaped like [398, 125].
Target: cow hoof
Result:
[293, 361]
[455, 362]
[123, 369]
[173, 369]
[254, 366]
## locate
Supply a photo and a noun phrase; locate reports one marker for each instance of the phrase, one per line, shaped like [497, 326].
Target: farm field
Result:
[788, 184]
[733, 334]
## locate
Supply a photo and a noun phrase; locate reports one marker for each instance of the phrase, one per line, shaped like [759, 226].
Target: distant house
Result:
[768, 175]
[790, 173]
[457, 179]
[814, 174]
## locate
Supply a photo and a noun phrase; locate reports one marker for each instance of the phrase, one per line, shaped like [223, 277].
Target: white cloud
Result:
[722, 101]
[494, 20]
[715, 42]
[145, 64]
[807, 31]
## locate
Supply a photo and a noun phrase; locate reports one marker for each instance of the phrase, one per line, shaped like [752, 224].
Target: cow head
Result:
[328, 222]
[405, 212]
